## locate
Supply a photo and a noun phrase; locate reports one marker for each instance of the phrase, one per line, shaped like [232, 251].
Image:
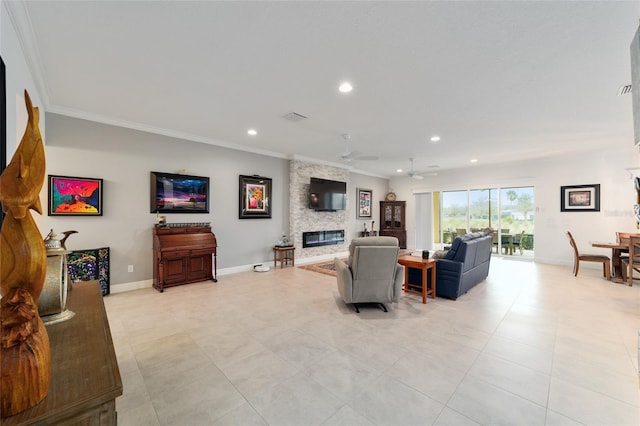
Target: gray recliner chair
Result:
[372, 274]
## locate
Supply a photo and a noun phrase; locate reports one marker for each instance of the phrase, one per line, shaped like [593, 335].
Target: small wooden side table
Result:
[368, 234]
[424, 265]
[284, 254]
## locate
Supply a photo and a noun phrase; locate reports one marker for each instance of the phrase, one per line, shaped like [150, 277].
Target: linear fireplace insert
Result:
[322, 238]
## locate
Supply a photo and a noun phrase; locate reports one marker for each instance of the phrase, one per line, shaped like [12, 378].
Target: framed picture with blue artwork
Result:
[89, 265]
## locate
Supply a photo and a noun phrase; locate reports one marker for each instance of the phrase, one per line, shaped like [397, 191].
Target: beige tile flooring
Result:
[530, 346]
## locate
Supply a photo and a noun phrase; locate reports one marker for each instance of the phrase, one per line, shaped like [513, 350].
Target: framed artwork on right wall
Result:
[364, 203]
[580, 198]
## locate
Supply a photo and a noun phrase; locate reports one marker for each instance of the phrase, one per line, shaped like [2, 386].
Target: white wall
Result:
[19, 78]
[606, 167]
[423, 220]
[124, 158]
[379, 188]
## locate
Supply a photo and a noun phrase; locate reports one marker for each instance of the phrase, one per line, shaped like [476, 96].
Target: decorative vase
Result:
[52, 304]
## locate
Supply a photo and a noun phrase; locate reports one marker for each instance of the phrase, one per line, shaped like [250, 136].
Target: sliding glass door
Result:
[516, 220]
[480, 209]
[453, 216]
[509, 211]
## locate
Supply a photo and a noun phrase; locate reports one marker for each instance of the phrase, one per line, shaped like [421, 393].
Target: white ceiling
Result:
[498, 81]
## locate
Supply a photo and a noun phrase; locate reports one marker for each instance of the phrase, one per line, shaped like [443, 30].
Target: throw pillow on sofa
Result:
[439, 254]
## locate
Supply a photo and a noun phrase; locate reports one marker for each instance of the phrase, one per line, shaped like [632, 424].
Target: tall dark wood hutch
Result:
[392, 221]
[183, 253]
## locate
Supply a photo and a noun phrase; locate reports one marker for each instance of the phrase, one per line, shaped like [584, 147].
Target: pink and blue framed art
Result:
[74, 196]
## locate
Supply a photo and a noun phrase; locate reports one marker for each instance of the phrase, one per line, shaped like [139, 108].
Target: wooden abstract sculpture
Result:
[25, 356]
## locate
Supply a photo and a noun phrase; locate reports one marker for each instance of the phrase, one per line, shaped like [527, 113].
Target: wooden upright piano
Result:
[183, 253]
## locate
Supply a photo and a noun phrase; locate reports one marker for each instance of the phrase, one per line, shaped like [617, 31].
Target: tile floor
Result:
[530, 346]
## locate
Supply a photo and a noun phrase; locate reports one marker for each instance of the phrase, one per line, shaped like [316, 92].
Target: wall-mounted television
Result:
[176, 193]
[327, 195]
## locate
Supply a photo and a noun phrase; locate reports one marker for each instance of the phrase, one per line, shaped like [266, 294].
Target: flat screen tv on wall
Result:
[327, 195]
[176, 193]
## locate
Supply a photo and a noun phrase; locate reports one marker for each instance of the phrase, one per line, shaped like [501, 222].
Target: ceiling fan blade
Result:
[346, 156]
[366, 157]
[418, 177]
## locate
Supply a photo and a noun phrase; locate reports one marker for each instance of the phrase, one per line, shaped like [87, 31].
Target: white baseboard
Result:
[137, 285]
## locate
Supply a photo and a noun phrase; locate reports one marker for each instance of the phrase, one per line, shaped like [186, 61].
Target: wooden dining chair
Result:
[623, 239]
[518, 243]
[495, 242]
[632, 262]
[606, 262]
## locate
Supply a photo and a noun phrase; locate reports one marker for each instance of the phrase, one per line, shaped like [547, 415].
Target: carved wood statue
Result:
[25, 357]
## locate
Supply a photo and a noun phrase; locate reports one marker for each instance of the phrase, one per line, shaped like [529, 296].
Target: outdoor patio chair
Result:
[518, 243]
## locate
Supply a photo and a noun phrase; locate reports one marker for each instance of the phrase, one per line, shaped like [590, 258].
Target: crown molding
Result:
[83, 115]
[296, 157]
[21, 21]
[351, 169]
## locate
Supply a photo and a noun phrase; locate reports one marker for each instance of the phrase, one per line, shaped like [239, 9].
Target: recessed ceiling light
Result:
[345, 87]
[435, 138]
[252, 132]
[474, 160]
[399, 170]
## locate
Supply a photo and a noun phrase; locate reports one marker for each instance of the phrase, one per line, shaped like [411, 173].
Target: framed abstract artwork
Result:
[580, 198]
[89, 265]
[255, 197]
[74, 196]
[177, 193]
[364, 203]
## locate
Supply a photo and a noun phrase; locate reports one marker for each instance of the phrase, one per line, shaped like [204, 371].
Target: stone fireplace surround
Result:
[303, 219]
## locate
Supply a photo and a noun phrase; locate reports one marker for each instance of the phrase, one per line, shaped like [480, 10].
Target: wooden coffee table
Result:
[424, 265]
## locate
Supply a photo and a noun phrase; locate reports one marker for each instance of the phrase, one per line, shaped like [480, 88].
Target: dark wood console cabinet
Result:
[85, 379]
[183, 254]
[392, 221]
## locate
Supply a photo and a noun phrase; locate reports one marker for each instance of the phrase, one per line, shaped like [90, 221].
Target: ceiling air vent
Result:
[294, 117]
[624, 90]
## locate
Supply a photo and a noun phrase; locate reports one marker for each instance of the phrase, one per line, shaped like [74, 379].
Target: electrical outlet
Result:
[130, 269]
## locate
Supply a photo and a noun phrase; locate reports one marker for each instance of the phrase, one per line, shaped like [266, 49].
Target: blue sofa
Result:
[465, 264]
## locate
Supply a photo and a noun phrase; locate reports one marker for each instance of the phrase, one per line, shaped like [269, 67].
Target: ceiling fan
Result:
[349, 156]
[412, 173]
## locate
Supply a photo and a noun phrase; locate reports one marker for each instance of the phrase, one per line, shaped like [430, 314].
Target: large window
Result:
[517, 209]
[510, 211]
[453, 217]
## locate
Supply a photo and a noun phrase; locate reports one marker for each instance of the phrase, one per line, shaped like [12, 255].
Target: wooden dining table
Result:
[507, 243]
[617, 248]
[616, 265]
